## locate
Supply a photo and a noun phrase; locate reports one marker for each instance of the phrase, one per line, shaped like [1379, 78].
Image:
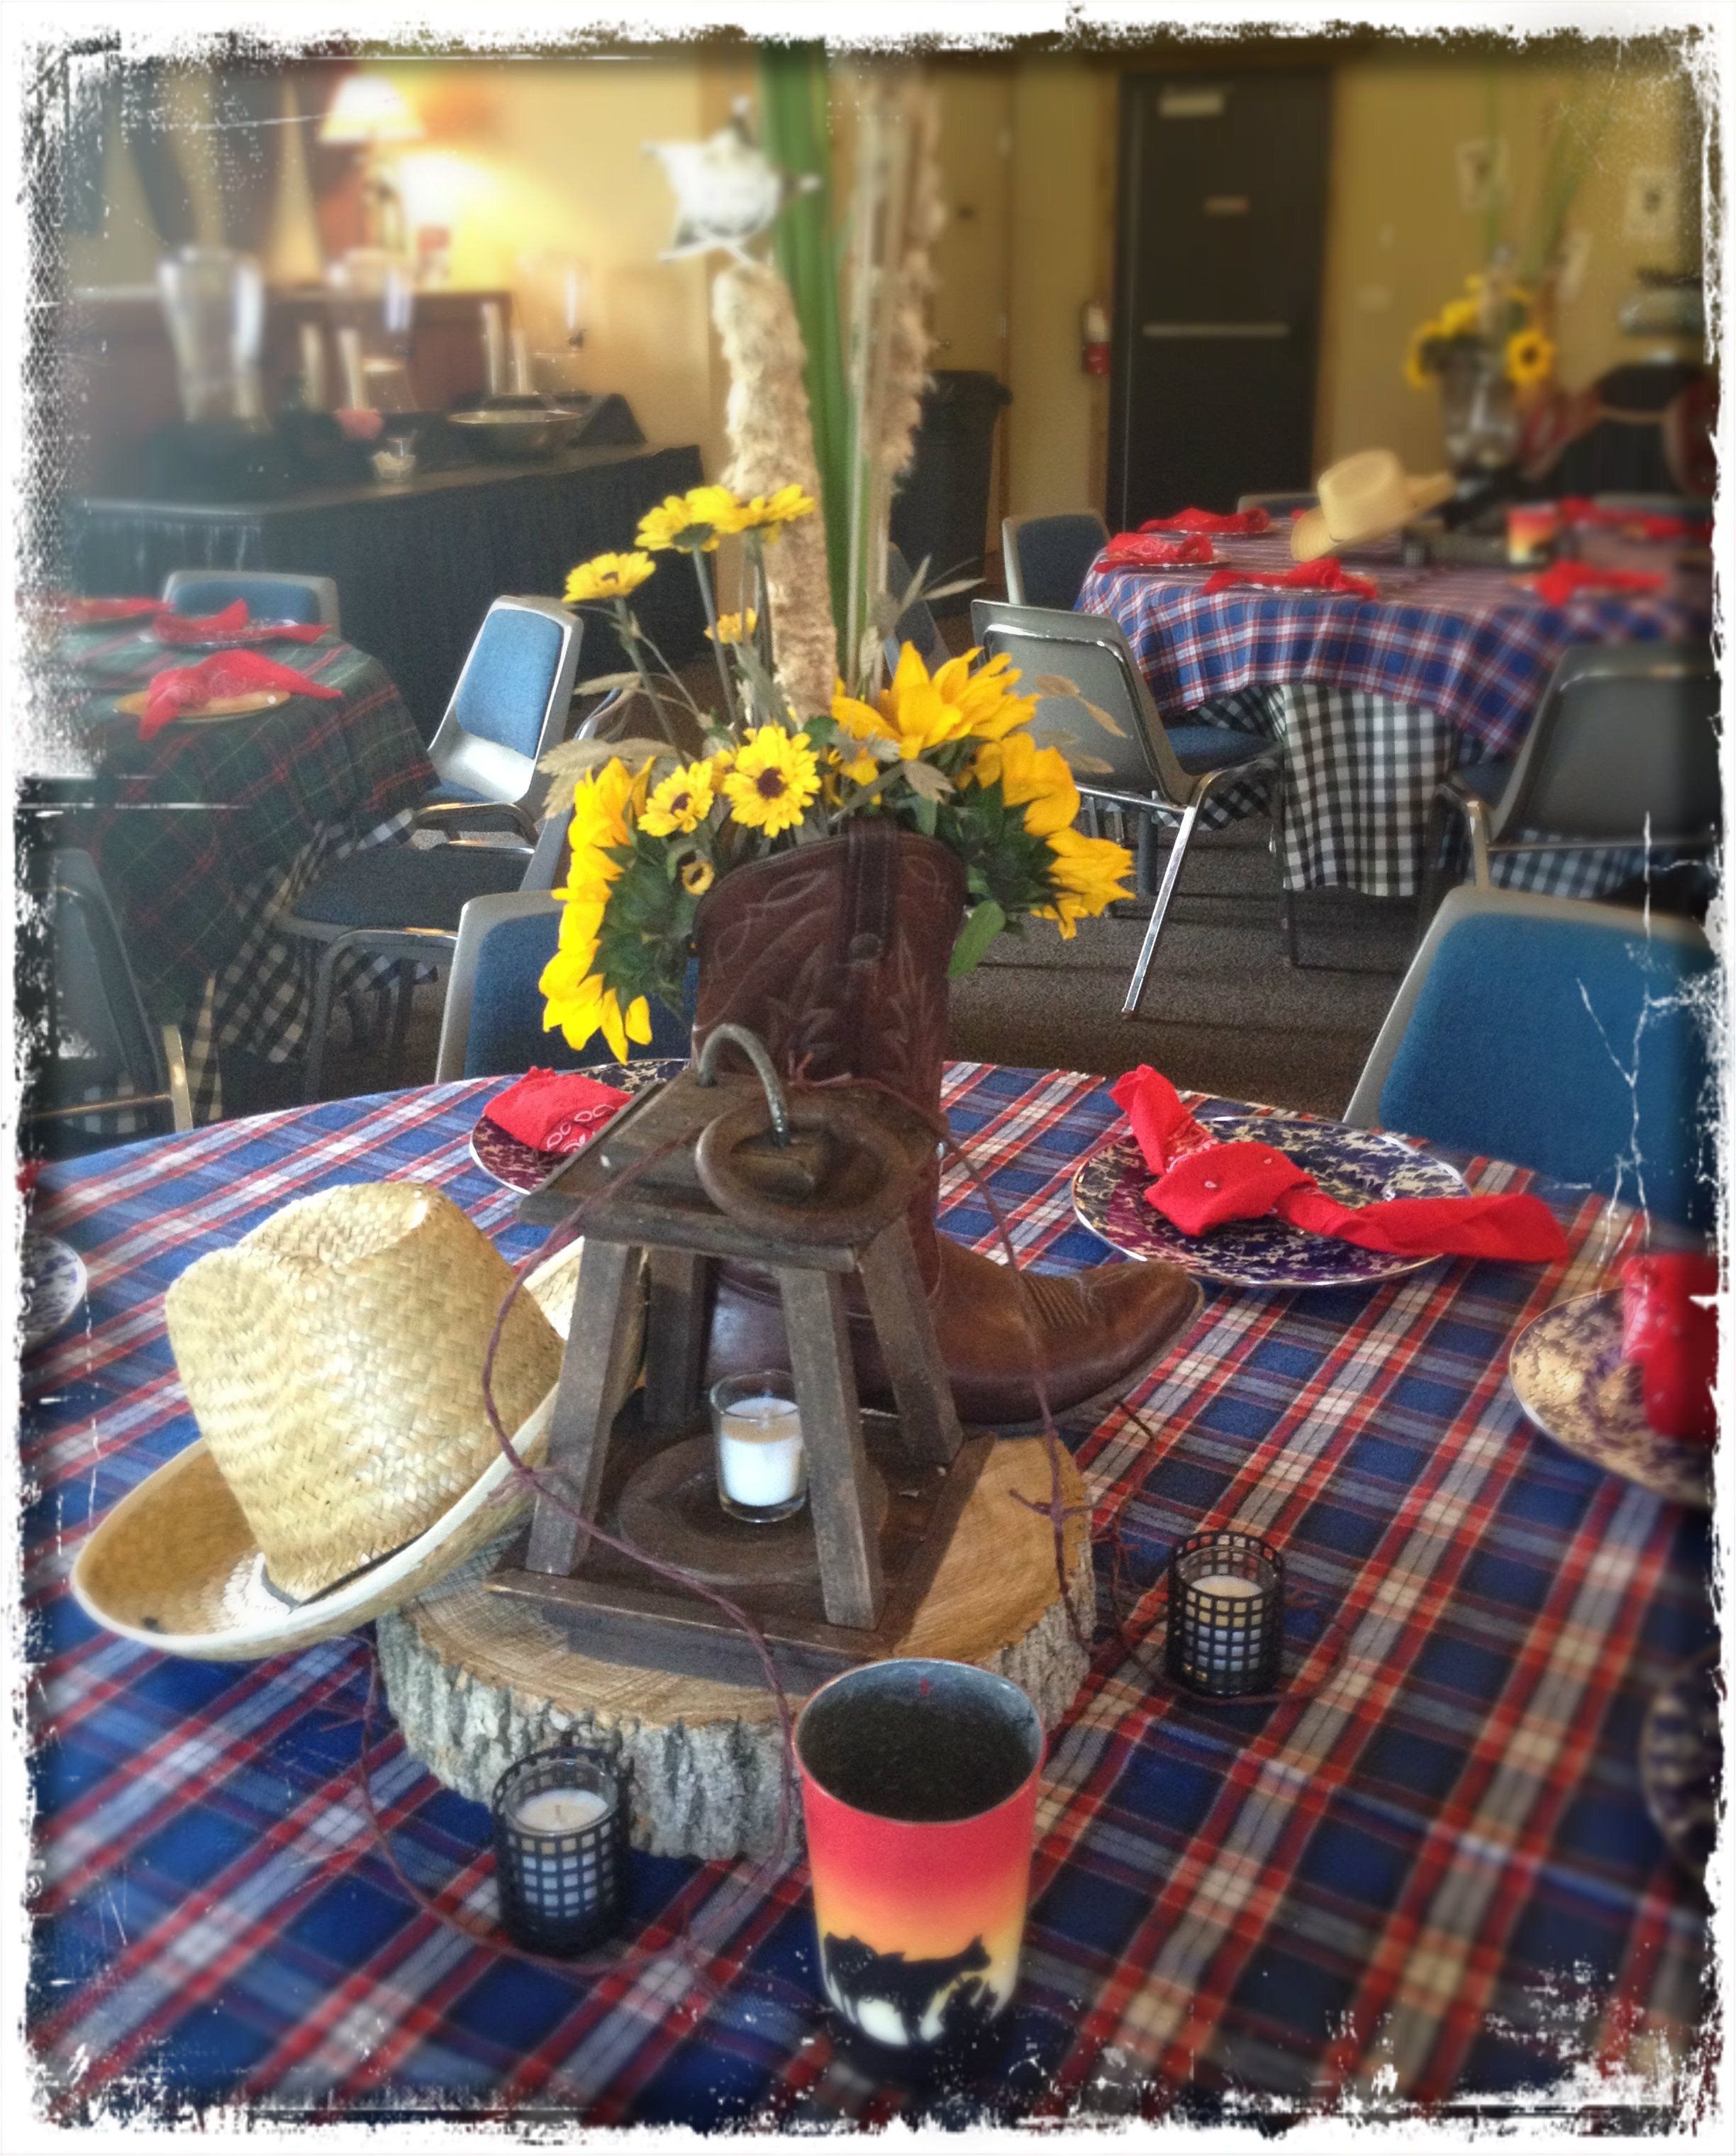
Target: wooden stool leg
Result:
[814, 1316]
[602, 1317]
[675, 1329]
[898, 1304]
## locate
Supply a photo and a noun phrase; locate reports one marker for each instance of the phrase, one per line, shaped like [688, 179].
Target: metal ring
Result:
[754, 1049]
[823, 1220]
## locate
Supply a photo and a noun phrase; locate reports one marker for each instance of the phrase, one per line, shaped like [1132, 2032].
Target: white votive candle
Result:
[560, 1811]
[759, 1450]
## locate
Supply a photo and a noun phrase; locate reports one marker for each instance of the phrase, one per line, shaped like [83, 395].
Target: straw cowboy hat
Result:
[333, 1362]
[1362, 498]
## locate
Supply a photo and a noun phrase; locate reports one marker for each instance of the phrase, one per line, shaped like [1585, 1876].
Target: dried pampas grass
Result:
[772, 440]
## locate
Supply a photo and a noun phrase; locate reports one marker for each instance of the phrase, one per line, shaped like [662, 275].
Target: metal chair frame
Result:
[323, 588]
[1012, 569]
[1523, 806]
[1173, 794]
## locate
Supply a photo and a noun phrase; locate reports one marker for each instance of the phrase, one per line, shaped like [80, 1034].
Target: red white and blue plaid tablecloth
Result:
[1466, 642]
[1437, 1880]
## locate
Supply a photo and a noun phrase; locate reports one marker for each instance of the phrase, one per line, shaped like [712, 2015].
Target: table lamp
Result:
[371, 114]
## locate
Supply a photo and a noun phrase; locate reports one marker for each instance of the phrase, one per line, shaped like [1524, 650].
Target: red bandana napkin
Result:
[1642, 523]
[1234, 523]
[199, 628]
[79, 612]
[1567, 580]
[1201, 1184]
[1137, 550]
[180, 688]
[555, 1111]
[1328, 574]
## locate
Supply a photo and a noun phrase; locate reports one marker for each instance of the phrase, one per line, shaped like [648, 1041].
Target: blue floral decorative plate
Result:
[52, 1283]
[1567, 1375]
[521, 1167]
[1356, 1167]
[1682, 1754]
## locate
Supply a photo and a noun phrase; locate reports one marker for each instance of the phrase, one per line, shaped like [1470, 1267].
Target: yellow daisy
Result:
[770, 512]
[1530, 358]
[694, 521]
[774, 778]
[698, 876]
[860, 769]
[609, 576]
[1037, 778]
[680, 802]
[730, 629]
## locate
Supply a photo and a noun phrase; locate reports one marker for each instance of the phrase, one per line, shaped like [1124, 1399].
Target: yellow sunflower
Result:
[774, 778]
[1530, 358]
[693, 522]
[698, 876]
[683, 801]
[578, 1002]
[609, 576]
[1417, 371]
[606, 803]
[730, 629]
[770, 512]
[920, 713]
[1037, 778]
[1088, 875]
[860, 769]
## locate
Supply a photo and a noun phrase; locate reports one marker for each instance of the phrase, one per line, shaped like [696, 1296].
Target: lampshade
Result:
[369, 109]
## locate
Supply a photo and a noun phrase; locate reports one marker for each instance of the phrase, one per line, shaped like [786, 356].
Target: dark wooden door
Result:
[1222, 222]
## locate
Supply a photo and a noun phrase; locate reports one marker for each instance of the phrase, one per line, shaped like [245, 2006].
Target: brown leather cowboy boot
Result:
[836, 955]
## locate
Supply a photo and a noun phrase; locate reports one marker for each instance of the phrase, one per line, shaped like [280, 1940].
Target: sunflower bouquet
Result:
[1493, 317]
[654, 826]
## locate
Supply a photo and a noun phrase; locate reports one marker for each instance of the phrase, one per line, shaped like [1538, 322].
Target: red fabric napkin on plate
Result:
[200, 628]
[1215, 524]
[1201, 1184]
[555, 1111]
[180, 688]
[1325, 575]
[1643, 523]
[1141, 550]
[79, 612]
[1567, 580]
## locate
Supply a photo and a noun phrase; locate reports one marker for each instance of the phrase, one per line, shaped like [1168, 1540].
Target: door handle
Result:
[1162, 330]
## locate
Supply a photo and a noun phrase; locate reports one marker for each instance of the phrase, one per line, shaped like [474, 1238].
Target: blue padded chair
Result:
[509, 708]
[1157, 772]
[271, 594]
[106, 1074]
[917, 624]
[1623, 746]
[492, 1025]
[405, 903]
[1044, 559]
[1279, 506]
[1566, 1037]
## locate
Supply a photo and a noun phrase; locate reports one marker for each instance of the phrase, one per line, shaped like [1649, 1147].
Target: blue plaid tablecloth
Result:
[1436, 1882]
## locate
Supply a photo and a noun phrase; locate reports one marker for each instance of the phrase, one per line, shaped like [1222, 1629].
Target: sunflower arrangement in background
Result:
[653, 828]
[1494, 318]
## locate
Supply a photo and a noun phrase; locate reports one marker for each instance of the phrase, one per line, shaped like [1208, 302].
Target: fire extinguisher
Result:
[1094, 337]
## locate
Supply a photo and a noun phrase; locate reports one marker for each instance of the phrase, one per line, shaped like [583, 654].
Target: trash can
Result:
[941, 511]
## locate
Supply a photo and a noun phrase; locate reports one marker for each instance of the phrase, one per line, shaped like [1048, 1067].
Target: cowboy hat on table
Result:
[333, 1362]
[1362, 498]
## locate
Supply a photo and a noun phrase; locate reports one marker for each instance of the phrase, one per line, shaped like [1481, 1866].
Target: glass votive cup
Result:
[1225, 1632]
[560, 1849]
[394, 462]
[761, 1461]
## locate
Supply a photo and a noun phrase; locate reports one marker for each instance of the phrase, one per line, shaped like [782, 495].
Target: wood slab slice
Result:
[477, 1680]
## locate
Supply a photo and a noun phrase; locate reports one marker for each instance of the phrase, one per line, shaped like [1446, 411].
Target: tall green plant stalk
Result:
[795, 129]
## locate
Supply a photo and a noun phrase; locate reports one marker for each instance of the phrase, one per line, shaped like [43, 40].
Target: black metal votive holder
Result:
[1225, 1635]
[560, 1879]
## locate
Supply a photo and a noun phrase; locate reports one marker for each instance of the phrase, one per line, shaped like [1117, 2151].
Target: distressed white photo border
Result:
[31, 30]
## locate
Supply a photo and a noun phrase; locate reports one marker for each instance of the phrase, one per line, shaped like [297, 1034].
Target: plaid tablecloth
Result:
[1437, 1880]
[1468, 642]
[207, 832]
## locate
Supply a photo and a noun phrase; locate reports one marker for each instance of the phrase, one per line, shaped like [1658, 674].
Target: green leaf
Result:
[983, 924]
